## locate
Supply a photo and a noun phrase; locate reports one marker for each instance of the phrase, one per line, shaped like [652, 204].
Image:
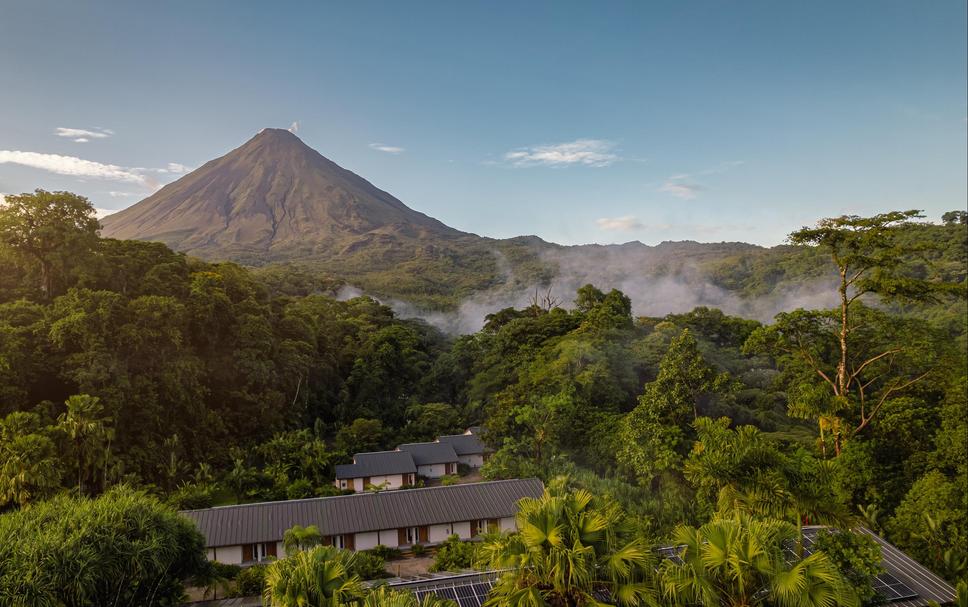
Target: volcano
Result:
[275, 199]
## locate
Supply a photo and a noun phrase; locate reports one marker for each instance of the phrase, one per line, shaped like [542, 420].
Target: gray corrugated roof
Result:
[929, 586]
[268, 521]
[426, 454]
[377, 463]
[464, 444]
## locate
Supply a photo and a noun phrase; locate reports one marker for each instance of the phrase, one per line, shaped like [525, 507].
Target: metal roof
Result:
[377, 463]
[464, 444]
[427, 454]
[268, 521]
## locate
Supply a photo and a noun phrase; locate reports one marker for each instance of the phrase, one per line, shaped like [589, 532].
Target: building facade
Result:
[253, 533]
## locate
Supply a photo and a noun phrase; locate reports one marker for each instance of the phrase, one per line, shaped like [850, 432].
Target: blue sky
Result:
[578, 122]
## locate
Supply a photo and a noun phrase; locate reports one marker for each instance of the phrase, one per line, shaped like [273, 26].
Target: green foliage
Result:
[192, 496]
[739, 561]
[369, 565]
[382, 596]
[386, 553]
[858, 558]
[449, 479]
[122, 547]
[319, 577]
[360, 436]
[299, 538]
[250, 581]
[453, 555]
[567, 549]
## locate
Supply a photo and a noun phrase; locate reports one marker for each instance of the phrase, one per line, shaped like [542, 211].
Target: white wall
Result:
[438, 533]
[389, 538]
[280, 550]
[463, 530]
[474, 461]
[230, 555]
[393, 481]
[432, 471]
[366, 540]
[507, 524]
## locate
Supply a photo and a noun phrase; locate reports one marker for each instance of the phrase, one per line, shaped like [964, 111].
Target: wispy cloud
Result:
[619, 224]
[82, 135]
[679, 189]
[294, 127]
[389, 149]
[587, 152]
[79, 167]
[116, 194]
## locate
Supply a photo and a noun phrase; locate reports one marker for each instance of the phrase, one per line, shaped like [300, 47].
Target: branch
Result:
[897, 388]
[874, 359]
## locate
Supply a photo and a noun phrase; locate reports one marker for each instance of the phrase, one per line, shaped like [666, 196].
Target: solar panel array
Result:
[467, 589]
[465, 595]
[886, 585]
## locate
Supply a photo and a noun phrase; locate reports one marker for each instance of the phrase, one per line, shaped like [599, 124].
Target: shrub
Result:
[226, 570]
[250, 581]
[453, 555]
[463, 469]
[449, 479]
[75, 551]
[385, 552]
[369, 565]
[191, 496]
[858, 557]
[418, 549]
[299, 489]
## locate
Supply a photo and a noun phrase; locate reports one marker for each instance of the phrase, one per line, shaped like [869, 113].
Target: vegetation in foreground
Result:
[124, 363]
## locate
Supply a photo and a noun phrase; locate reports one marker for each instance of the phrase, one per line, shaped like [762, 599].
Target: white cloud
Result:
[389, 149]
[116, 194]
[294, 127]
[587, 152]
[686, 191]
[71, 165]
[619, 224]
[102, 213]
[82, 135]
[79, 167]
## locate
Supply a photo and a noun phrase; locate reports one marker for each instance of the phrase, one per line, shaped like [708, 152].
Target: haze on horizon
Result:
[650, 122]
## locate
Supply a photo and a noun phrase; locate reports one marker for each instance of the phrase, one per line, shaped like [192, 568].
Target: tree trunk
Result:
[842, 365]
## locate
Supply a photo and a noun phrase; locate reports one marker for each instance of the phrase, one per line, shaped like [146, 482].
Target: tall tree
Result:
[52, 229]
[871, 258]
[88, 428]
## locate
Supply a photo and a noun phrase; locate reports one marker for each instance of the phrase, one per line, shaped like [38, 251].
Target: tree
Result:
[54, 229]
[30, 467]
[739, 562]
[299, 538]
[453, 555]
[870, 257]
[857, 557]
[89, 430]
[653, 434]
[360, 436]
[123, 548]
[568, 550]
[318, 577]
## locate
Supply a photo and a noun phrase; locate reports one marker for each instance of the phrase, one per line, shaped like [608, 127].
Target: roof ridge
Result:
[366, 494]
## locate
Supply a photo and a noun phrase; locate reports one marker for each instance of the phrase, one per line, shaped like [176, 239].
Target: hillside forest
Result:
[124, 364]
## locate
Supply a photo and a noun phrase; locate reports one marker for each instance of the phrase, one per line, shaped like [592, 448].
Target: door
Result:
[349, 541]
[473, 528]
[423, 535]
[402, 537]
[247, 556]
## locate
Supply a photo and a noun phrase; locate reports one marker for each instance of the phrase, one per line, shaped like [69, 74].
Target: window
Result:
[342, 483]
[413, 535]
[258, 552]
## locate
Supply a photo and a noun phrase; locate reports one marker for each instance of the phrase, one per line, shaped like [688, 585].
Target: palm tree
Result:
[319, 577]
[299, 538]
[88, 429]
[569, 551]
[739, 562]
[384, 597]
[29, 467]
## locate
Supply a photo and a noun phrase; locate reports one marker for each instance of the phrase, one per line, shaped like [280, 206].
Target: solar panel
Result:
[892, 589]
[465, 590]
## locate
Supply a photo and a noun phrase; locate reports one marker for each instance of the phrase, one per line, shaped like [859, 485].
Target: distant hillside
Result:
[309, 224]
